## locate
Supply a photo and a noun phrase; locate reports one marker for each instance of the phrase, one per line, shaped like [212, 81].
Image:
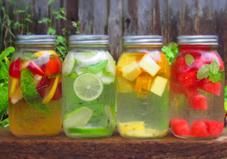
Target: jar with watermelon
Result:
[35, 87]
[143, 73]
[89, 88]
[197, 89]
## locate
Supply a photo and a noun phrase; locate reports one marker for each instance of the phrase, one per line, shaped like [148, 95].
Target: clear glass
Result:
[197, 93]
[143, 93]
[35, 92]
[89, 93]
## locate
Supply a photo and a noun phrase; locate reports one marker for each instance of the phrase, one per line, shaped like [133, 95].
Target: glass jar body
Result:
[35, 91]
[197, 92]
[143, 93]
[89, 93]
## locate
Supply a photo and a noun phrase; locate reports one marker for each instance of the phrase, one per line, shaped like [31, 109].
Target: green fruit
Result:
[77, 118]
[97, 67]
[68, 64]
[88, 87]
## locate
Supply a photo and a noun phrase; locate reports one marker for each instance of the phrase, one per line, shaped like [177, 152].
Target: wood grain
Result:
[112, 148]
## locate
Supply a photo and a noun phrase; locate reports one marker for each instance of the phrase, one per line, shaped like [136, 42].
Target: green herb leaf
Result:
[214, 67]
[171, 51]
[215, 77]
[203, 72]
[189, 59]
[29, 92]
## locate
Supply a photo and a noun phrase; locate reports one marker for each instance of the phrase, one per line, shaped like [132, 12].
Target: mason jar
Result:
[197, 88]
[35, 87]
[143, 88]
[89, 88]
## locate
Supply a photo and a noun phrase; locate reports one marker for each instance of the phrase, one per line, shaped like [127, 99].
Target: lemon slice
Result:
[77, 118]
[44, 52]
[88, 87]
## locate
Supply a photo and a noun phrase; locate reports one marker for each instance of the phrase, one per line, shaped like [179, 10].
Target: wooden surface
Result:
[61, 147]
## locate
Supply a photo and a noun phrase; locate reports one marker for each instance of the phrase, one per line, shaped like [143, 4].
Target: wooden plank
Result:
[115, 27]
[86, 16]
[100, 14]
[112, 148]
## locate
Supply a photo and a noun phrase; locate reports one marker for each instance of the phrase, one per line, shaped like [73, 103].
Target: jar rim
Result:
[198, 39]
[131, 40]
[83, 39]
[35, 39]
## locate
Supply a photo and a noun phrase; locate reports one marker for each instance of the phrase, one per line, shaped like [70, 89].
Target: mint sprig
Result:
[189, 59]
[171, 51]
[210, 71]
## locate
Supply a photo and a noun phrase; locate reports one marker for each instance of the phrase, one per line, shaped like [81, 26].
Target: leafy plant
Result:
[171, 51]
[4, 66]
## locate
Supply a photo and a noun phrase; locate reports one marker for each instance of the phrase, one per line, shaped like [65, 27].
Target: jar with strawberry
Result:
[35, 87]
[143, 88]
[197, 79]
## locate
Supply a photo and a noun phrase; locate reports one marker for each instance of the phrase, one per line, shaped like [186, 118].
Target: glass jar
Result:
[197, 89]
[89, 88]
[35, 87]
[142, 88]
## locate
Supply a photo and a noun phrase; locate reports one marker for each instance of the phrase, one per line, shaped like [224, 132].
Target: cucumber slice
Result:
[77, 118]
[68, 64]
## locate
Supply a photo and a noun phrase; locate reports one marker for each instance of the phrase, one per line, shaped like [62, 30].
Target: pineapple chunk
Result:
[149, 65]
[131, 71]
[125, 127]
[123, 85]
[159, 85]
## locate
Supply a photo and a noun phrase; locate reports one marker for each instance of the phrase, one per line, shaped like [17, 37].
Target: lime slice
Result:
[88, 87]
[68, 64]
[77, 118]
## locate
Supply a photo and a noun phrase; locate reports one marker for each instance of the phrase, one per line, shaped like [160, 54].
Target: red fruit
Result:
[190, 92]
[53, 66]
[215, 128]
[199, 102]
[180, 65]
[199, 129]
[209, 57]
[15, 68]
[188, 78]
[43, 86]
[180, 127]
[209, 86]
[35, 69]
[58, 93]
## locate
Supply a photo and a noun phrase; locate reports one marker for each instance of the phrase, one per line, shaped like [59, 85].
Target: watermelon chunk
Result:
[180, 127]
[188, 78]
[215, 128]
[199, 102]
[213, 88]
[199, 129]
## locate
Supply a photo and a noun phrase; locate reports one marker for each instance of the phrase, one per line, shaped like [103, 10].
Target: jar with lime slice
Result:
[35, 87]
[142, 88]
[89, 88]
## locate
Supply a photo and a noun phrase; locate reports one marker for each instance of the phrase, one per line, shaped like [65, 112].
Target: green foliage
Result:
[171, 51]
[189, 59]
[210, 71]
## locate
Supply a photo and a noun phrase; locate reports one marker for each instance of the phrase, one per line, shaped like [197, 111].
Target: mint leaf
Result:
[170, 51]
[203, 72]
[215, 77]
[214, 67]
[29, 91]
[189, 59]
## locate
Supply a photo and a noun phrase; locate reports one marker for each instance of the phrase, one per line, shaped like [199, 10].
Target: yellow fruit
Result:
[149, 65]
[148, 132]
[127, 58]
[14, 83]
[16, 96]
[125, 127]
[143, 84]
[44, 52]
[131, 71]
[123, 85]
[52, 91]
[159, 85]
[165, 66]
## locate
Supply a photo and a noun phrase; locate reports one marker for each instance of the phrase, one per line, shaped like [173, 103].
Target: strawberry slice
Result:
[180, 127]
[35, 69]
[215, 128]
[15, 68]
[209, 86]
[43, 85]
[199, 102]
[199, 129]
[53, 66]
